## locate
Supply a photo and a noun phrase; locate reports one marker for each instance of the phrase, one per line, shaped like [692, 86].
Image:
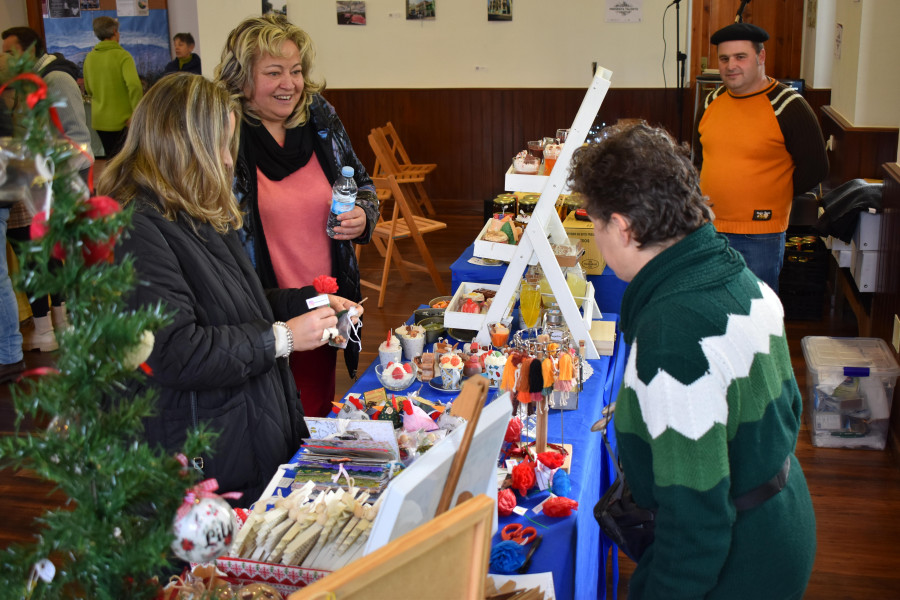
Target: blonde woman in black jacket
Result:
[223, 359]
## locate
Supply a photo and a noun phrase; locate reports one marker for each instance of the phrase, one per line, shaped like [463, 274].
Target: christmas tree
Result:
[114, 531]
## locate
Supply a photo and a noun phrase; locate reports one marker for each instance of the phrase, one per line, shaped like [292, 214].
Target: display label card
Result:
[317, 302]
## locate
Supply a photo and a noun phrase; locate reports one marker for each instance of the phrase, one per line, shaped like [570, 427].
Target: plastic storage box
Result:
[851, 384]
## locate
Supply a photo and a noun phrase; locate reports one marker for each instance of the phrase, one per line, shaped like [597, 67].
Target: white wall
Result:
[547, 44]
[818, 45]
[13, 14]
[866, 79]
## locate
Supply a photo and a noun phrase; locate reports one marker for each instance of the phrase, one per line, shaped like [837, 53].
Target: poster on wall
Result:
[145, 38]
[499, 10]
[132, 8]
[624, 11]
[351, 13]
[65, 9]
[45, 9]
[90, 4]
[277, 6]
[418, 10]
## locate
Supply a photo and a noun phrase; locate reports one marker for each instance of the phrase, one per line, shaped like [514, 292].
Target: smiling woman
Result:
[290, 140]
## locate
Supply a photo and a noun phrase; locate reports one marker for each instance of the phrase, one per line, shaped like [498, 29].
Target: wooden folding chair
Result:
[388, 162]
[403, 224]
[400, 154]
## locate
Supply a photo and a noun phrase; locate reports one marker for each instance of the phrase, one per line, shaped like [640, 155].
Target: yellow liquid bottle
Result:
[577, 285]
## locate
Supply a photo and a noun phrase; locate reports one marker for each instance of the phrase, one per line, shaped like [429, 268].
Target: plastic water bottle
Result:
[343, 198]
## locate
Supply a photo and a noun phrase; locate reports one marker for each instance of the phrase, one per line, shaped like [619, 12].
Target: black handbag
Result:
[629, 526]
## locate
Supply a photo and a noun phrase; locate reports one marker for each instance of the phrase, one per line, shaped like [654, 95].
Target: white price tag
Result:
[317, 302]
[520, 510]
[510, 463]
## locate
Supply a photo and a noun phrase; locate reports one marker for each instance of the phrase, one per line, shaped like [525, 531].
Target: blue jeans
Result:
[10, 338]
[763, 253]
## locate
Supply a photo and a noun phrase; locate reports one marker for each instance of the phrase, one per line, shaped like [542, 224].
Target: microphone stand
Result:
[739, 17]
[680, 59]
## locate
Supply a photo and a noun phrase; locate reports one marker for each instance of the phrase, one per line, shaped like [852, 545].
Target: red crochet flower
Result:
[559, 507]
[325, 284]
[523, 477]
[513, 431]
[506, 502]
[552, 459]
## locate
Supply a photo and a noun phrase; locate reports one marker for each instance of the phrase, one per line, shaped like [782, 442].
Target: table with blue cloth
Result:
[608, 288]
[571, 548]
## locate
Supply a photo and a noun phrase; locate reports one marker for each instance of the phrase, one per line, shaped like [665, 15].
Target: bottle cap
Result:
[347, 171]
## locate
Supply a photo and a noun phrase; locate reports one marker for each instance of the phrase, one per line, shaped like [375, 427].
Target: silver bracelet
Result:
[290, 336]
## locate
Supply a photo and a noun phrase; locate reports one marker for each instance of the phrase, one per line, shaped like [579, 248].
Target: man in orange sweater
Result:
[757, 145]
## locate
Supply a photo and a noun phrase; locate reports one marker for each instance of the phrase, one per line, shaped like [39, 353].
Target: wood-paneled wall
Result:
[858, 152]
[782, 19]
[472, 134]
[886, 303]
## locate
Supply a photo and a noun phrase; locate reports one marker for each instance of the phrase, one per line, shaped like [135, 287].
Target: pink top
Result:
[294, 212]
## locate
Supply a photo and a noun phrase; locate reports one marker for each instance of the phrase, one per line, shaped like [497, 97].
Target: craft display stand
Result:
[545, 227]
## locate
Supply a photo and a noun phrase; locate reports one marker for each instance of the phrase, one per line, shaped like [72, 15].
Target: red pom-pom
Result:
[559, 507]
[39, 229]
[98, 252]
[325, 284]
[523, 477]
[506, 502]
[513, 431]
[551, 459]
[101, 206]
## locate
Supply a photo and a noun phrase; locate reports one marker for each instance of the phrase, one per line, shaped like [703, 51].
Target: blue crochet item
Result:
[561, 484]
[507, 557]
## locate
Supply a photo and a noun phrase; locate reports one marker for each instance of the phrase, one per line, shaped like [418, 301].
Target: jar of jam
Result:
[526, 206]
[504, 204]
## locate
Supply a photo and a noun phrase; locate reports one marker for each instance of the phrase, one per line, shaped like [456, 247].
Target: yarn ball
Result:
[523, 477]
[561, 484]
[506, 502]
[559, 507]
[552, 459]
[507, 557]
[513, 431]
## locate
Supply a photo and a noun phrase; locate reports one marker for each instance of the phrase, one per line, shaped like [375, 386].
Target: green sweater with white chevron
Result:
[708, 410]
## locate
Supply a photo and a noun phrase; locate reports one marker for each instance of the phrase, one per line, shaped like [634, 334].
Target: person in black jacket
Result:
[185, 58]
[293, 146]
[223, 359]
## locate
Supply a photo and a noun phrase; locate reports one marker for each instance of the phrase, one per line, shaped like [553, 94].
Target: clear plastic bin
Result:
[851, 385]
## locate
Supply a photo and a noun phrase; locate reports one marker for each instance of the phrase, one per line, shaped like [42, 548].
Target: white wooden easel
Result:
[534, 247]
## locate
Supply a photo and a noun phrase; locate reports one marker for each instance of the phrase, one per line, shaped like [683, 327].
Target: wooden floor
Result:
[856, 493]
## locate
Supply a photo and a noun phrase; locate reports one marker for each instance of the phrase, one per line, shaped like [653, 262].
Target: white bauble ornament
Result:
[205, 532]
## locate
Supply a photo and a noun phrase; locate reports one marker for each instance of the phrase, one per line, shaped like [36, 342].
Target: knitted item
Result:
[522, 392]
[506, 502]
[559, 507]
[523, 477]
[708, 410]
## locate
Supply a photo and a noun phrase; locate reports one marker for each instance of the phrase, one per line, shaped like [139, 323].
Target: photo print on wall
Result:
[278, 6]
[417, 10]
[351, 13]
[499, 10]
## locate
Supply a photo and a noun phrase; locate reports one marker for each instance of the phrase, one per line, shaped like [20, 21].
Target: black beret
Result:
[739, 31]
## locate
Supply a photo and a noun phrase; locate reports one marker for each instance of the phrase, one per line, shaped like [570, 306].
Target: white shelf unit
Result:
[545, 227]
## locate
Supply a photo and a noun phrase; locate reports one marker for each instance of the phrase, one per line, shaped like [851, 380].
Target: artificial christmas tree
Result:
[113, 533]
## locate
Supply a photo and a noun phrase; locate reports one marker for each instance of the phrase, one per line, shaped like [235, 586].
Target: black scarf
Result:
[277, 162]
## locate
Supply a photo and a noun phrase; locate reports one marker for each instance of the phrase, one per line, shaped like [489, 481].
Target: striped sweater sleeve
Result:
[802, 138]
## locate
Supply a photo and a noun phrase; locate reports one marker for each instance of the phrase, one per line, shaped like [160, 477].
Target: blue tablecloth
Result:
[572, 548]
[608, 288]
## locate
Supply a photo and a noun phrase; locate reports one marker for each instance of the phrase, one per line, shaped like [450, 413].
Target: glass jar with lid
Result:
[527, 204]
[504, 204]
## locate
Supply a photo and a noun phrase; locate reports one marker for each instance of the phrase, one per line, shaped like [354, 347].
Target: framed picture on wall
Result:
[65, 9]
[276, 6]
[90, 4]
[499, 10]
[417, 10]
[351, 13]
